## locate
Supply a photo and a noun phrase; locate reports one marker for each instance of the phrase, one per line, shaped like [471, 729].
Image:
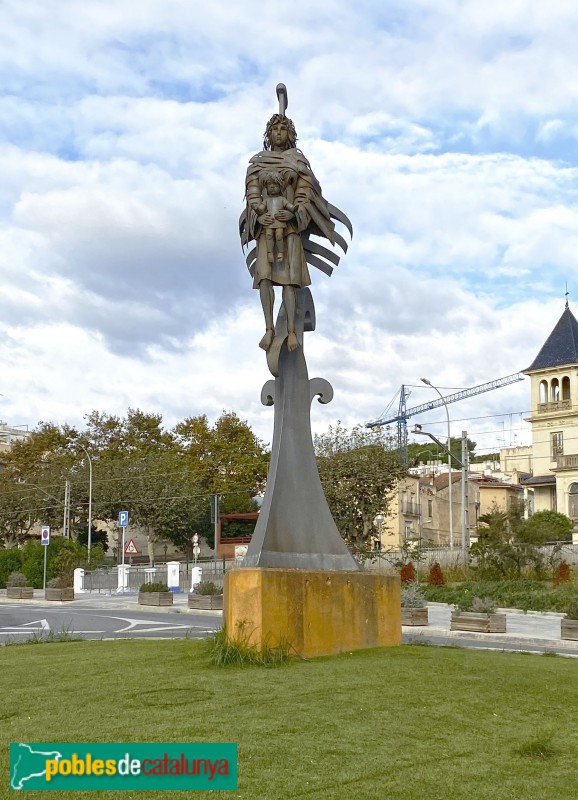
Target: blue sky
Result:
[446, 130]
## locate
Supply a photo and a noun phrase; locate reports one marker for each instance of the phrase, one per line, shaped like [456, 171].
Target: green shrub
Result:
[483, 605]
[62, 557]
[412, 596]
[523, 594]
[208, 587]
[10, 561]
[58, 583]
[17, 579]
[154, 587]
[572, 609]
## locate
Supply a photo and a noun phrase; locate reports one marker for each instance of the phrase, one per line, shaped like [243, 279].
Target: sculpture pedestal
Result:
[317, 613]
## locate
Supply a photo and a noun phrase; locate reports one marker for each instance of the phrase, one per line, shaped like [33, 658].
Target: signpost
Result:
[131, 550]
[45, 541]
[123, 523]
[196, 548]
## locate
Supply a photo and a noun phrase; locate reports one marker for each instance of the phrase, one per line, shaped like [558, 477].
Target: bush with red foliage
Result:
[562, 573]
[436, 576]
[407, 573]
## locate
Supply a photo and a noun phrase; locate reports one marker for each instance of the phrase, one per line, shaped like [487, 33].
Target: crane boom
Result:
[403, 413]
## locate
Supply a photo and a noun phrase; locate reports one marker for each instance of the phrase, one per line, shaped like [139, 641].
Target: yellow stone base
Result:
[317, 613]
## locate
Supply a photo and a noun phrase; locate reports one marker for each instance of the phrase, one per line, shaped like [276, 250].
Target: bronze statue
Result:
[284, 206]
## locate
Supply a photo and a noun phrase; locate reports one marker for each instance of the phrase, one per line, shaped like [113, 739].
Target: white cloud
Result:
[446, 131]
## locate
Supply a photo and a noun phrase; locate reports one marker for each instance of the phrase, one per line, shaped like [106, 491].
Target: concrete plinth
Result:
[317, 613]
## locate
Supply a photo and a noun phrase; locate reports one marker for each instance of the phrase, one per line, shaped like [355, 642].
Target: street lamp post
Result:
[89, 541]
[442, 398]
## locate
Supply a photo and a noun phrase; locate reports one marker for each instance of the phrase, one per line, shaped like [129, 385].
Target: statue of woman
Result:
[310, 215]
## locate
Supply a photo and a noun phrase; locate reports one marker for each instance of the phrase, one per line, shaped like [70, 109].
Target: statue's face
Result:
[273, 188]
[279, 136]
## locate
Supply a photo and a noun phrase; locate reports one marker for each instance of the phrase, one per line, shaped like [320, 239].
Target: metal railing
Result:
[105, 581]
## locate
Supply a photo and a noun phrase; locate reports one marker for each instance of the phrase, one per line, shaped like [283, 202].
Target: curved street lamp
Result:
[442, 398]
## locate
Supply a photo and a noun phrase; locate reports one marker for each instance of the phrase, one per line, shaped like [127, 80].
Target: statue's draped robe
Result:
[312, 215]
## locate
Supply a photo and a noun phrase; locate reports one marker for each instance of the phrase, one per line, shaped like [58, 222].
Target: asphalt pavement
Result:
[98, 615]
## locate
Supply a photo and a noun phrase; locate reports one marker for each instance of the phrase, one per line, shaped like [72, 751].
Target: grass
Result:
[392, 724]
[236, 650]
[39, 637]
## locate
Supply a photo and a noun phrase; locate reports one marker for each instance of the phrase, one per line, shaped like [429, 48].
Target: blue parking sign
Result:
[122, 519]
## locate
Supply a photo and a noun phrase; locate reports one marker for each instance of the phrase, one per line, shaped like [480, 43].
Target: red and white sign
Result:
[130, 549]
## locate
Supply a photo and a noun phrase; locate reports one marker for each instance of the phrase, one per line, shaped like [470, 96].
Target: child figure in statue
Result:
[272, 203]
[281, 188]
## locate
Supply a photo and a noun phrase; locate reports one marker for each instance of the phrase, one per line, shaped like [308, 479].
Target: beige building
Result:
[554, 420]
[420, 511]
[499, 495]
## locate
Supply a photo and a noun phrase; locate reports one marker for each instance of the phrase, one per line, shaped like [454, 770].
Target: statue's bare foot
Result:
[267, 340]
[292, 342]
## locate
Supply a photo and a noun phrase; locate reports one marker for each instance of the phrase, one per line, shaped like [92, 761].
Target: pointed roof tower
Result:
[561, 347]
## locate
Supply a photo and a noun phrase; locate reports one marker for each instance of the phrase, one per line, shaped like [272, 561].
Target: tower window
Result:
[557, 444]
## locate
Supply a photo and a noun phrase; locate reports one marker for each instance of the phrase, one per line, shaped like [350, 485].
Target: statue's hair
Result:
[292, 133]
[271, 174]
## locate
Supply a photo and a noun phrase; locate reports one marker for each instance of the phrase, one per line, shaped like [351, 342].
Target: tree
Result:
[508, 543]
[164, 478]
[548, 526]
[359, 472]
[226, 459]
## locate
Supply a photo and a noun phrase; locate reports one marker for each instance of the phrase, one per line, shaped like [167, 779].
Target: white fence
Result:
[105, 581]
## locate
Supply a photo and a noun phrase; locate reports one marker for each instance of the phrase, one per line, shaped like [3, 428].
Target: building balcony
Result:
[410, 508]
[566, 462]
[558, 405]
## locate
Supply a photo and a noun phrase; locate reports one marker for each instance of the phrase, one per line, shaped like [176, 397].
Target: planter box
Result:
[481, 623]
[570, 629]
[59, 594]
[20, 592]
[207, 602]
[414, 616]
[155, 598]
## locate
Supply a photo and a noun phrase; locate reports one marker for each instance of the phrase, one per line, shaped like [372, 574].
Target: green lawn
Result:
[407, 722]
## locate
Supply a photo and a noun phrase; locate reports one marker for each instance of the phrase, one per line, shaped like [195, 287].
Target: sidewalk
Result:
[109, 602]
[430, 634]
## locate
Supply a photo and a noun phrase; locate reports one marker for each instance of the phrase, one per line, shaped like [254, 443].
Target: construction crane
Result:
[404, 413]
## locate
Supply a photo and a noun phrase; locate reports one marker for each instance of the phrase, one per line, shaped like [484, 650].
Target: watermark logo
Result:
[85, 766]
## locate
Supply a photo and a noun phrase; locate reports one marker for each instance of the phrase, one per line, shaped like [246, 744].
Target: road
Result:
[19, 623]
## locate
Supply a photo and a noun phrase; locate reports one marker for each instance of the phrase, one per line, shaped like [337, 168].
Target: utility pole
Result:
[465, 498]
[66, 520]
[215, 498]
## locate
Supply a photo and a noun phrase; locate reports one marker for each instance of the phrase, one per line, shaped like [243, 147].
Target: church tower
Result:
[554, 420]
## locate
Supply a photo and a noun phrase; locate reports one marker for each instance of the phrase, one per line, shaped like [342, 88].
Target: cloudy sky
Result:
[447, 130]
